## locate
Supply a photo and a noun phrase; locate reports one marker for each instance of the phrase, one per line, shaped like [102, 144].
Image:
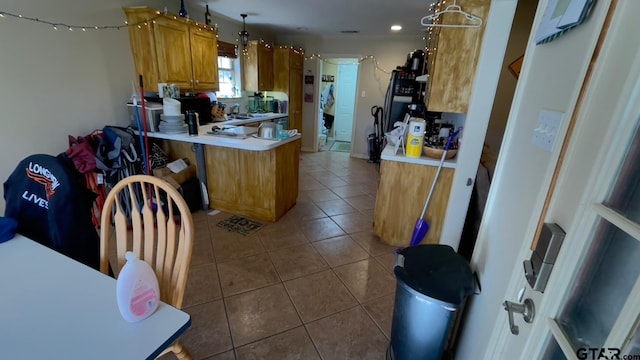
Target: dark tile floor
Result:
[317, 284]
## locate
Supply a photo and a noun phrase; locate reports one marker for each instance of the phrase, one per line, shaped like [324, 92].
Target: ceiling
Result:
[326, 17]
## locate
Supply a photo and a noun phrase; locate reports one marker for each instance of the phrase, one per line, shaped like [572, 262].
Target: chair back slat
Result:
[136, 220]
[182, 273]
[149, 224]
[161, 231]
[161, 248]
[170, 254]
[120, 222]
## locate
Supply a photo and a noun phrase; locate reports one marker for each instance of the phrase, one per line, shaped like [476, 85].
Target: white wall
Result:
[518, 37]
[59, 83]
[389, 52]
[551, 79]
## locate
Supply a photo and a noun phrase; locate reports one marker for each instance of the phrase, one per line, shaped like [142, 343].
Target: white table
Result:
[52, 307]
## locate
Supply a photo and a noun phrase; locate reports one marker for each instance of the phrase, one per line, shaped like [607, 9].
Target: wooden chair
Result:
[158, 235]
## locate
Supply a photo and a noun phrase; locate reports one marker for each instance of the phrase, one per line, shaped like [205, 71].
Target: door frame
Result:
[318, 90]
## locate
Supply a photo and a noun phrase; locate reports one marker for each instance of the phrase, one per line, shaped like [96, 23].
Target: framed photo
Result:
[308, 88]
[561, 16]
[516, 66]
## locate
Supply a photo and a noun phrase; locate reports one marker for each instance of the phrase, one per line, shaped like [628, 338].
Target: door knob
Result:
[527, 309]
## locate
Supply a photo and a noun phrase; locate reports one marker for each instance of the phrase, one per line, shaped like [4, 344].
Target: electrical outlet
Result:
[546, 130]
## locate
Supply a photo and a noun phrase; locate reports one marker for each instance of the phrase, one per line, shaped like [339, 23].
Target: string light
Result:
[71, 27]
[373, 59]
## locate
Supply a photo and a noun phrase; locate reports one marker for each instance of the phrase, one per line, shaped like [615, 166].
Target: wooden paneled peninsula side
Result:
[402, 191]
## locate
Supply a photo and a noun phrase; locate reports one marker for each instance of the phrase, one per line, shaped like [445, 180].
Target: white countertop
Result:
[250, 143]
[387, 154]
[254, 118]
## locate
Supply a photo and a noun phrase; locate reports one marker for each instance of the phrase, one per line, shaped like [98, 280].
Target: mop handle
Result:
[435, 180]
[147, 163]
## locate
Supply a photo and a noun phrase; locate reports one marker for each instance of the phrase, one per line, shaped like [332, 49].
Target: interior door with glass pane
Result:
[599, 301]
[598, 315]
[590, 308]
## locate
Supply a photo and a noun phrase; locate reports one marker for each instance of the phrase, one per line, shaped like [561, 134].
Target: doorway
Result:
[516, 46]
[339, 82]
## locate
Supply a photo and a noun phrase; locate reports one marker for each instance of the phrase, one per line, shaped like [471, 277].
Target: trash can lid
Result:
[436, 271]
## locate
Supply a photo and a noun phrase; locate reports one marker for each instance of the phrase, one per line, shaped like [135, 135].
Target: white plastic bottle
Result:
[137, 289]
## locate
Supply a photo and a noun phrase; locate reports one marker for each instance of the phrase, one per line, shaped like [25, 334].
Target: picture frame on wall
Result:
[561, 16]
[308, 88]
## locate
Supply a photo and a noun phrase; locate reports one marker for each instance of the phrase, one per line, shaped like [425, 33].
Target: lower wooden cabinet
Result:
[402, 191]
[258, 184]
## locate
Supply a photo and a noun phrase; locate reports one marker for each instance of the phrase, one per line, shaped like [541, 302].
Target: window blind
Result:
[227, 49]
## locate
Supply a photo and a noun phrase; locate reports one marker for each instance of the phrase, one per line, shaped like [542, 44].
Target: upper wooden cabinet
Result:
[204, 52]
[173, 50]
[287, 70]
[452, 56]
[257, 67]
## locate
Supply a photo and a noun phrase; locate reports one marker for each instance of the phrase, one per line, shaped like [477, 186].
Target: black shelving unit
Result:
[404, 95]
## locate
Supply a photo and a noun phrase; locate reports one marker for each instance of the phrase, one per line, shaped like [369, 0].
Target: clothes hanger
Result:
[452, 9]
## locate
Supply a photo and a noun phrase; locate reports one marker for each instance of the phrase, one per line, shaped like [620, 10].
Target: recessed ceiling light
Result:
[396, 27]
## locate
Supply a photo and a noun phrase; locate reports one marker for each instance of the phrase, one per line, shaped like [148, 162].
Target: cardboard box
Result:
[175, 179]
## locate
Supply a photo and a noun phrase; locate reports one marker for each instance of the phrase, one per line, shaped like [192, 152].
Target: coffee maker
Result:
[415, 62]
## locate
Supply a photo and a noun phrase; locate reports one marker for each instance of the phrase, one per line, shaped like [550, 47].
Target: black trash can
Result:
[433, 283]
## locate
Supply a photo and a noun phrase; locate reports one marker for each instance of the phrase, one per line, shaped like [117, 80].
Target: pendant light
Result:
[244, 34]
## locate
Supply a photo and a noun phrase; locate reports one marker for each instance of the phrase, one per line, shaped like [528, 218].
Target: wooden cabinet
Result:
[262, 185]
[402, 191]
[287, 70]
[204, 53]
[173, 50]
[452, 56]
[257, 65]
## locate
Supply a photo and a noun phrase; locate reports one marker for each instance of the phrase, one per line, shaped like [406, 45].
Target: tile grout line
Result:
[224, 303]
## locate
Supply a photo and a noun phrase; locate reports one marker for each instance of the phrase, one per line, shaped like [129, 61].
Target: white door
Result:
[590, 308]
[345, 100]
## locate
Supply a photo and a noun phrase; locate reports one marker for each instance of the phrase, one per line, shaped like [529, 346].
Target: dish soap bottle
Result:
[137, 289]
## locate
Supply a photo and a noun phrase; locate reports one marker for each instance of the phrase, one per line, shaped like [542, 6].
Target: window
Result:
[601, 311]
[229, 80]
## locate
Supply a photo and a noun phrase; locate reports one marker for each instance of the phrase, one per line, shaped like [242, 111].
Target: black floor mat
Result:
[239, 224]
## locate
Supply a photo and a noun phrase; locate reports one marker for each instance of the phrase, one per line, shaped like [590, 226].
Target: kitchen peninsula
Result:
[404, 185]
[253, 177]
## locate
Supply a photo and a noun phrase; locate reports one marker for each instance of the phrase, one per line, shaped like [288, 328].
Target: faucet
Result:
[235, 109]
